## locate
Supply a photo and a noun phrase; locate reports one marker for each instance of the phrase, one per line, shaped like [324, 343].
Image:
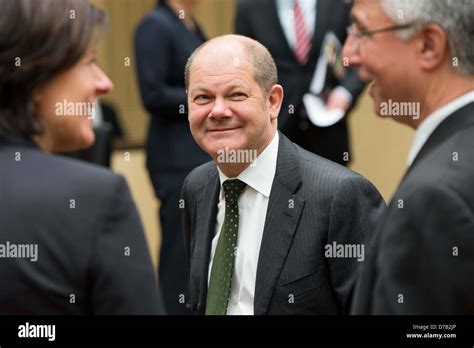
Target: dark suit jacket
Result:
[331, 203]
[431, 214]
[82, 244]
[259, 20]
[162, 47]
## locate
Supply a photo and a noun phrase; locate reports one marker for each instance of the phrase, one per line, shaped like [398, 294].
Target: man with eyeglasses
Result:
[421, 52]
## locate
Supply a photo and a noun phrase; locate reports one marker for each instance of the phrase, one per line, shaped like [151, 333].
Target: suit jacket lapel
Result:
[283, 214]
[205, 230]
[459, 120]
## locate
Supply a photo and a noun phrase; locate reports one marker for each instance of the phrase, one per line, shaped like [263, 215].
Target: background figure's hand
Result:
[338, 100]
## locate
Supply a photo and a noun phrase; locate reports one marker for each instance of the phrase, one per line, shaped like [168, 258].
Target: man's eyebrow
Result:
[356, 20]
[198, 87]
[201, 88]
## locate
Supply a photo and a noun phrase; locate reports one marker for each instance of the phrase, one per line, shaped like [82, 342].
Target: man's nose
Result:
[102, 83]
[220, 109]
[350, 52]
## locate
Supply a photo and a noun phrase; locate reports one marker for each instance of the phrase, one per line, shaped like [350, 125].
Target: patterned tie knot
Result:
[233, 189]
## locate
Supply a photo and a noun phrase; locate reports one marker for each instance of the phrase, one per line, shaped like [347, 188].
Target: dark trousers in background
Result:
[173, 270]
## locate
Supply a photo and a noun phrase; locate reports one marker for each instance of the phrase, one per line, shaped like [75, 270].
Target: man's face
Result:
[384, 59]
[227, 108]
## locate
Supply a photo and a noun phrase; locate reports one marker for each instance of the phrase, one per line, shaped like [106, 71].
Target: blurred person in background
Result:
[71, 241]
[298, 33]
[164, 40]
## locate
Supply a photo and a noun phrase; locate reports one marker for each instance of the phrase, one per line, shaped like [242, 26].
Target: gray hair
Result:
[456, 17]
[264, 67]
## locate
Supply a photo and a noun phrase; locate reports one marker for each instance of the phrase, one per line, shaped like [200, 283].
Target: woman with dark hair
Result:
[164, 40]
[71, 241]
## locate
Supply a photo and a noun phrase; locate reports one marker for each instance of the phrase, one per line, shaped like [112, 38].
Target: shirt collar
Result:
[260, 174]
[287, 5]
[428, 126]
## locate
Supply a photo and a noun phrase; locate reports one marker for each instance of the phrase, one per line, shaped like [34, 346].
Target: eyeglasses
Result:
[356, 34]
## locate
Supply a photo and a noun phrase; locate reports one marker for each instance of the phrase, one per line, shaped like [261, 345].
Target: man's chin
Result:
[217, 148]
[375, 99]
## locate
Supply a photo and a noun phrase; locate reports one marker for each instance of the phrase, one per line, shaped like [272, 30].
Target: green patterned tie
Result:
[223, 263]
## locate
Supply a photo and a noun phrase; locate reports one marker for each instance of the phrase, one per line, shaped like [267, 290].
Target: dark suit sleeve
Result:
[186, 218]
[186, 222]
[153, 51]
[426, 266]
[122, 274]
[355, 210]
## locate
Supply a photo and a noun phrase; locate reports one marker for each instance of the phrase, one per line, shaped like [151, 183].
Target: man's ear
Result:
[433, 47]
[275, 98]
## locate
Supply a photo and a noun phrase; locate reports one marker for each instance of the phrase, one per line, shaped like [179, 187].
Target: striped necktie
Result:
[303, 38]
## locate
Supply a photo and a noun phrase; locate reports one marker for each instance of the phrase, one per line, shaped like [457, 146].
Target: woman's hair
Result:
[39, 39]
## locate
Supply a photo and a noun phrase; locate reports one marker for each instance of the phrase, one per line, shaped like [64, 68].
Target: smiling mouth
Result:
[221, 130]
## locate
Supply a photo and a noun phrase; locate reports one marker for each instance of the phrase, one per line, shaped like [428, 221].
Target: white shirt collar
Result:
[260, 174]
[285, 6]
[285, 15]
[428, 126]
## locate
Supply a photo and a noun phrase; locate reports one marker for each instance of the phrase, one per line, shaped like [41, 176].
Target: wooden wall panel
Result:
[379, 147]
[216, 16]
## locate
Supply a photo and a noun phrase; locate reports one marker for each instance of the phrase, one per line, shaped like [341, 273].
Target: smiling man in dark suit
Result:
[421, 64]
[263, 220]
[294, 32]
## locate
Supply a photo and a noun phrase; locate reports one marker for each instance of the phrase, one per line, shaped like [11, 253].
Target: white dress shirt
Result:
[286, 17]
[253, 204]
[428, 126]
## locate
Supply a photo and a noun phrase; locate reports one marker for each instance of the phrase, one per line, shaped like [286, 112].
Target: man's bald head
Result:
[237, 49]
